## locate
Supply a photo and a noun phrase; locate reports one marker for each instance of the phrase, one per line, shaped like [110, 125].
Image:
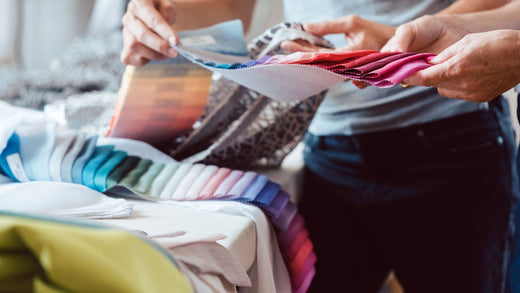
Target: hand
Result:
[478, 68]
[360, 33]
[146, 31]
[430, 34]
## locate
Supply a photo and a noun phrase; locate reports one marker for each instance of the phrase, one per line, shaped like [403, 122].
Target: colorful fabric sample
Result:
[279, 76]
[106, 169]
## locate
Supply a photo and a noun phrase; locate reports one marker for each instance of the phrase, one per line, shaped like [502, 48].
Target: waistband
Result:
[406, 135]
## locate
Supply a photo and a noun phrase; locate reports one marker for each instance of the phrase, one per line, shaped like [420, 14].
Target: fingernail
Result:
[173, 41]
[172, 52]
[308, 26]
[433, 59]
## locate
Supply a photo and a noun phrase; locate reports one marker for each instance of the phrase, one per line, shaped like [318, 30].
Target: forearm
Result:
[505, 17]
[469, 6]
[192, 14]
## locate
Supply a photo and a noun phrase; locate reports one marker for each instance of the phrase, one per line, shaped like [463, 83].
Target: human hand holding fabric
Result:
[360, 33]
[477, 68]
[146, 31]
[470, 66]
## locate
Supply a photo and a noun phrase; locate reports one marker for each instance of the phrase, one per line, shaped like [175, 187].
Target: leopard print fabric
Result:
[244, 129]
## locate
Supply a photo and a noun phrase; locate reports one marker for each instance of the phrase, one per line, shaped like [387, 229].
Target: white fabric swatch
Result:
[62, 199]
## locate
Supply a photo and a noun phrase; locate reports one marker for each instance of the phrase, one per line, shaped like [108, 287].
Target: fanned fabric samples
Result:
[118, 171]
[280, 76]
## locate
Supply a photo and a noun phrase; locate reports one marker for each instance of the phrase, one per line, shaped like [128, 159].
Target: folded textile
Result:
[105, 168]
[37, 254]
[61, 199]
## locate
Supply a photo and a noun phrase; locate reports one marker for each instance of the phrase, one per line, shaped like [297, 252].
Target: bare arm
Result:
[192, 14]
[468, 6]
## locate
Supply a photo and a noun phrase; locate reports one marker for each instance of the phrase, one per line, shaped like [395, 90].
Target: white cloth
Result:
[62, 199]
[212, 267]
[269, 272]
[12, 117]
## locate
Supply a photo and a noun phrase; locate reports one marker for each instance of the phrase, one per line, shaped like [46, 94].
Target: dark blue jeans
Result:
[431, 202]
[513, 281]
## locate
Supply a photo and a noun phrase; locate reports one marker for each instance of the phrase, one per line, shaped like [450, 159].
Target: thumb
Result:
[402, 39]
[335, 26]
[447, 53]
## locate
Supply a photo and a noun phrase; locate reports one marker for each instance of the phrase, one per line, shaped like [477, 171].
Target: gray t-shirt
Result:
[348, 110]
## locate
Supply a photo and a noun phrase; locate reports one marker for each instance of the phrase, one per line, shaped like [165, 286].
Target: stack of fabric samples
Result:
[376, 68]
[49, 152]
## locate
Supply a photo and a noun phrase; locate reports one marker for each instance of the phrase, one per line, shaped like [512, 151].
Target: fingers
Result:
[143, 35]
[336, 26]
[448, 53]
[145, 11]
[360, 84]
[292, 46]
[147, 31]
[302, 46]
[168, 10]
[401, 41]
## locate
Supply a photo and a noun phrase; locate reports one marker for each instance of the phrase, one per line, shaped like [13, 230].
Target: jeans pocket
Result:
[470, 139]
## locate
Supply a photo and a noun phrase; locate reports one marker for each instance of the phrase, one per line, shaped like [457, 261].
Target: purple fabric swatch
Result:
[285, 218]
[262, 59]
[278, 204]
[293, 228]
[287, 238]
[248, 63]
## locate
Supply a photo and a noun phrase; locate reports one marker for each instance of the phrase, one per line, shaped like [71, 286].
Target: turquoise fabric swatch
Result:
[100, 155]
[100, 178]
[86, 152]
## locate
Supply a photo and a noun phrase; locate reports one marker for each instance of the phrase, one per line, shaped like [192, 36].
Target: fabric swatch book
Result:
[281, 76]
[33, 147]
[165, 103]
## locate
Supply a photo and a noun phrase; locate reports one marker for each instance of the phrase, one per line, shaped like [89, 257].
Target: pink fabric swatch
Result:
[340, 67]
[401, 73]
[306, 282]
[307, 267]
[395, 65]
[210, 187]
[200, 182]
[296, 264]
[297, 243]
[226, 185]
